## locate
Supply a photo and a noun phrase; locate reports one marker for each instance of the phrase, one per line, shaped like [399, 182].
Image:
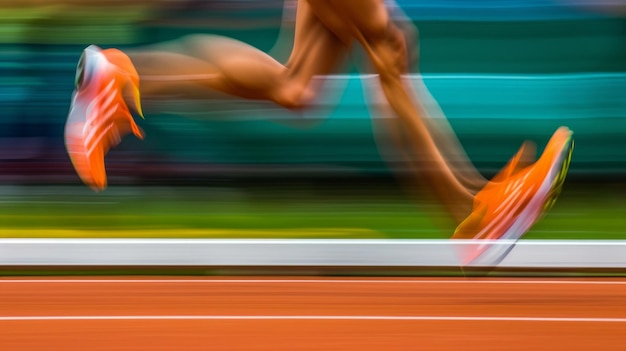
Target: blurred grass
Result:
[582, 212]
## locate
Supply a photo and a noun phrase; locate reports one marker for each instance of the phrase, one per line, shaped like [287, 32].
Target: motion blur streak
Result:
[506, 61]
[500, 72]
[494, 73]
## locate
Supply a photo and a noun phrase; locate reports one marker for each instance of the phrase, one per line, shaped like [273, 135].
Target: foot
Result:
[99, 116]
[516, 198]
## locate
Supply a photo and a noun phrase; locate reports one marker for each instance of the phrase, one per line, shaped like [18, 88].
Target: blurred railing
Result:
[311, 254]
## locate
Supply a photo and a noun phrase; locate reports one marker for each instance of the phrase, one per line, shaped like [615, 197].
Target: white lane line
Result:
[307, 281]
[373, 318]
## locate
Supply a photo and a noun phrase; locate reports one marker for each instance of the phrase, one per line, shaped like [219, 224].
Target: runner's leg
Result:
[368, 22]
[197, 65]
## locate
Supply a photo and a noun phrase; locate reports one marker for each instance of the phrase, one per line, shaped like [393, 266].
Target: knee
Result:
[397, 40]
[294, 95]
[391, 52]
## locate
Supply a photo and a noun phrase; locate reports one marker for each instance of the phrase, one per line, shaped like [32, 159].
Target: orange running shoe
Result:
[514, 200]
[99, 116]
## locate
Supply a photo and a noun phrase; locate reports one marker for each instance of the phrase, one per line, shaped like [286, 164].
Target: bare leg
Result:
[198, 65]
[368, 22]
[436, 121]
[438, 126]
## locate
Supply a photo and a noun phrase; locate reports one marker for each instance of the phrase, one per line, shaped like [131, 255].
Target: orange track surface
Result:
[312, 314]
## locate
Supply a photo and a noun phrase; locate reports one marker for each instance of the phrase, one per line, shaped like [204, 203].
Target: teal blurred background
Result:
[503, 71]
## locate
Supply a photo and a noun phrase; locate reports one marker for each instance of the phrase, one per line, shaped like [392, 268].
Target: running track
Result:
[311, 314]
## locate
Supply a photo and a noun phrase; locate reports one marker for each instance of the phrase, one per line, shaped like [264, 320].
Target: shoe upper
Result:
[99, 116]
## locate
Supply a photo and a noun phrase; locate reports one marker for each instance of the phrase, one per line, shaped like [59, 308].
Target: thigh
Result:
[316, 49]
[352, 19]
[368, 22]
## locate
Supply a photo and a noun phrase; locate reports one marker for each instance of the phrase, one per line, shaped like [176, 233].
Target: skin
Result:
[325, 32]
